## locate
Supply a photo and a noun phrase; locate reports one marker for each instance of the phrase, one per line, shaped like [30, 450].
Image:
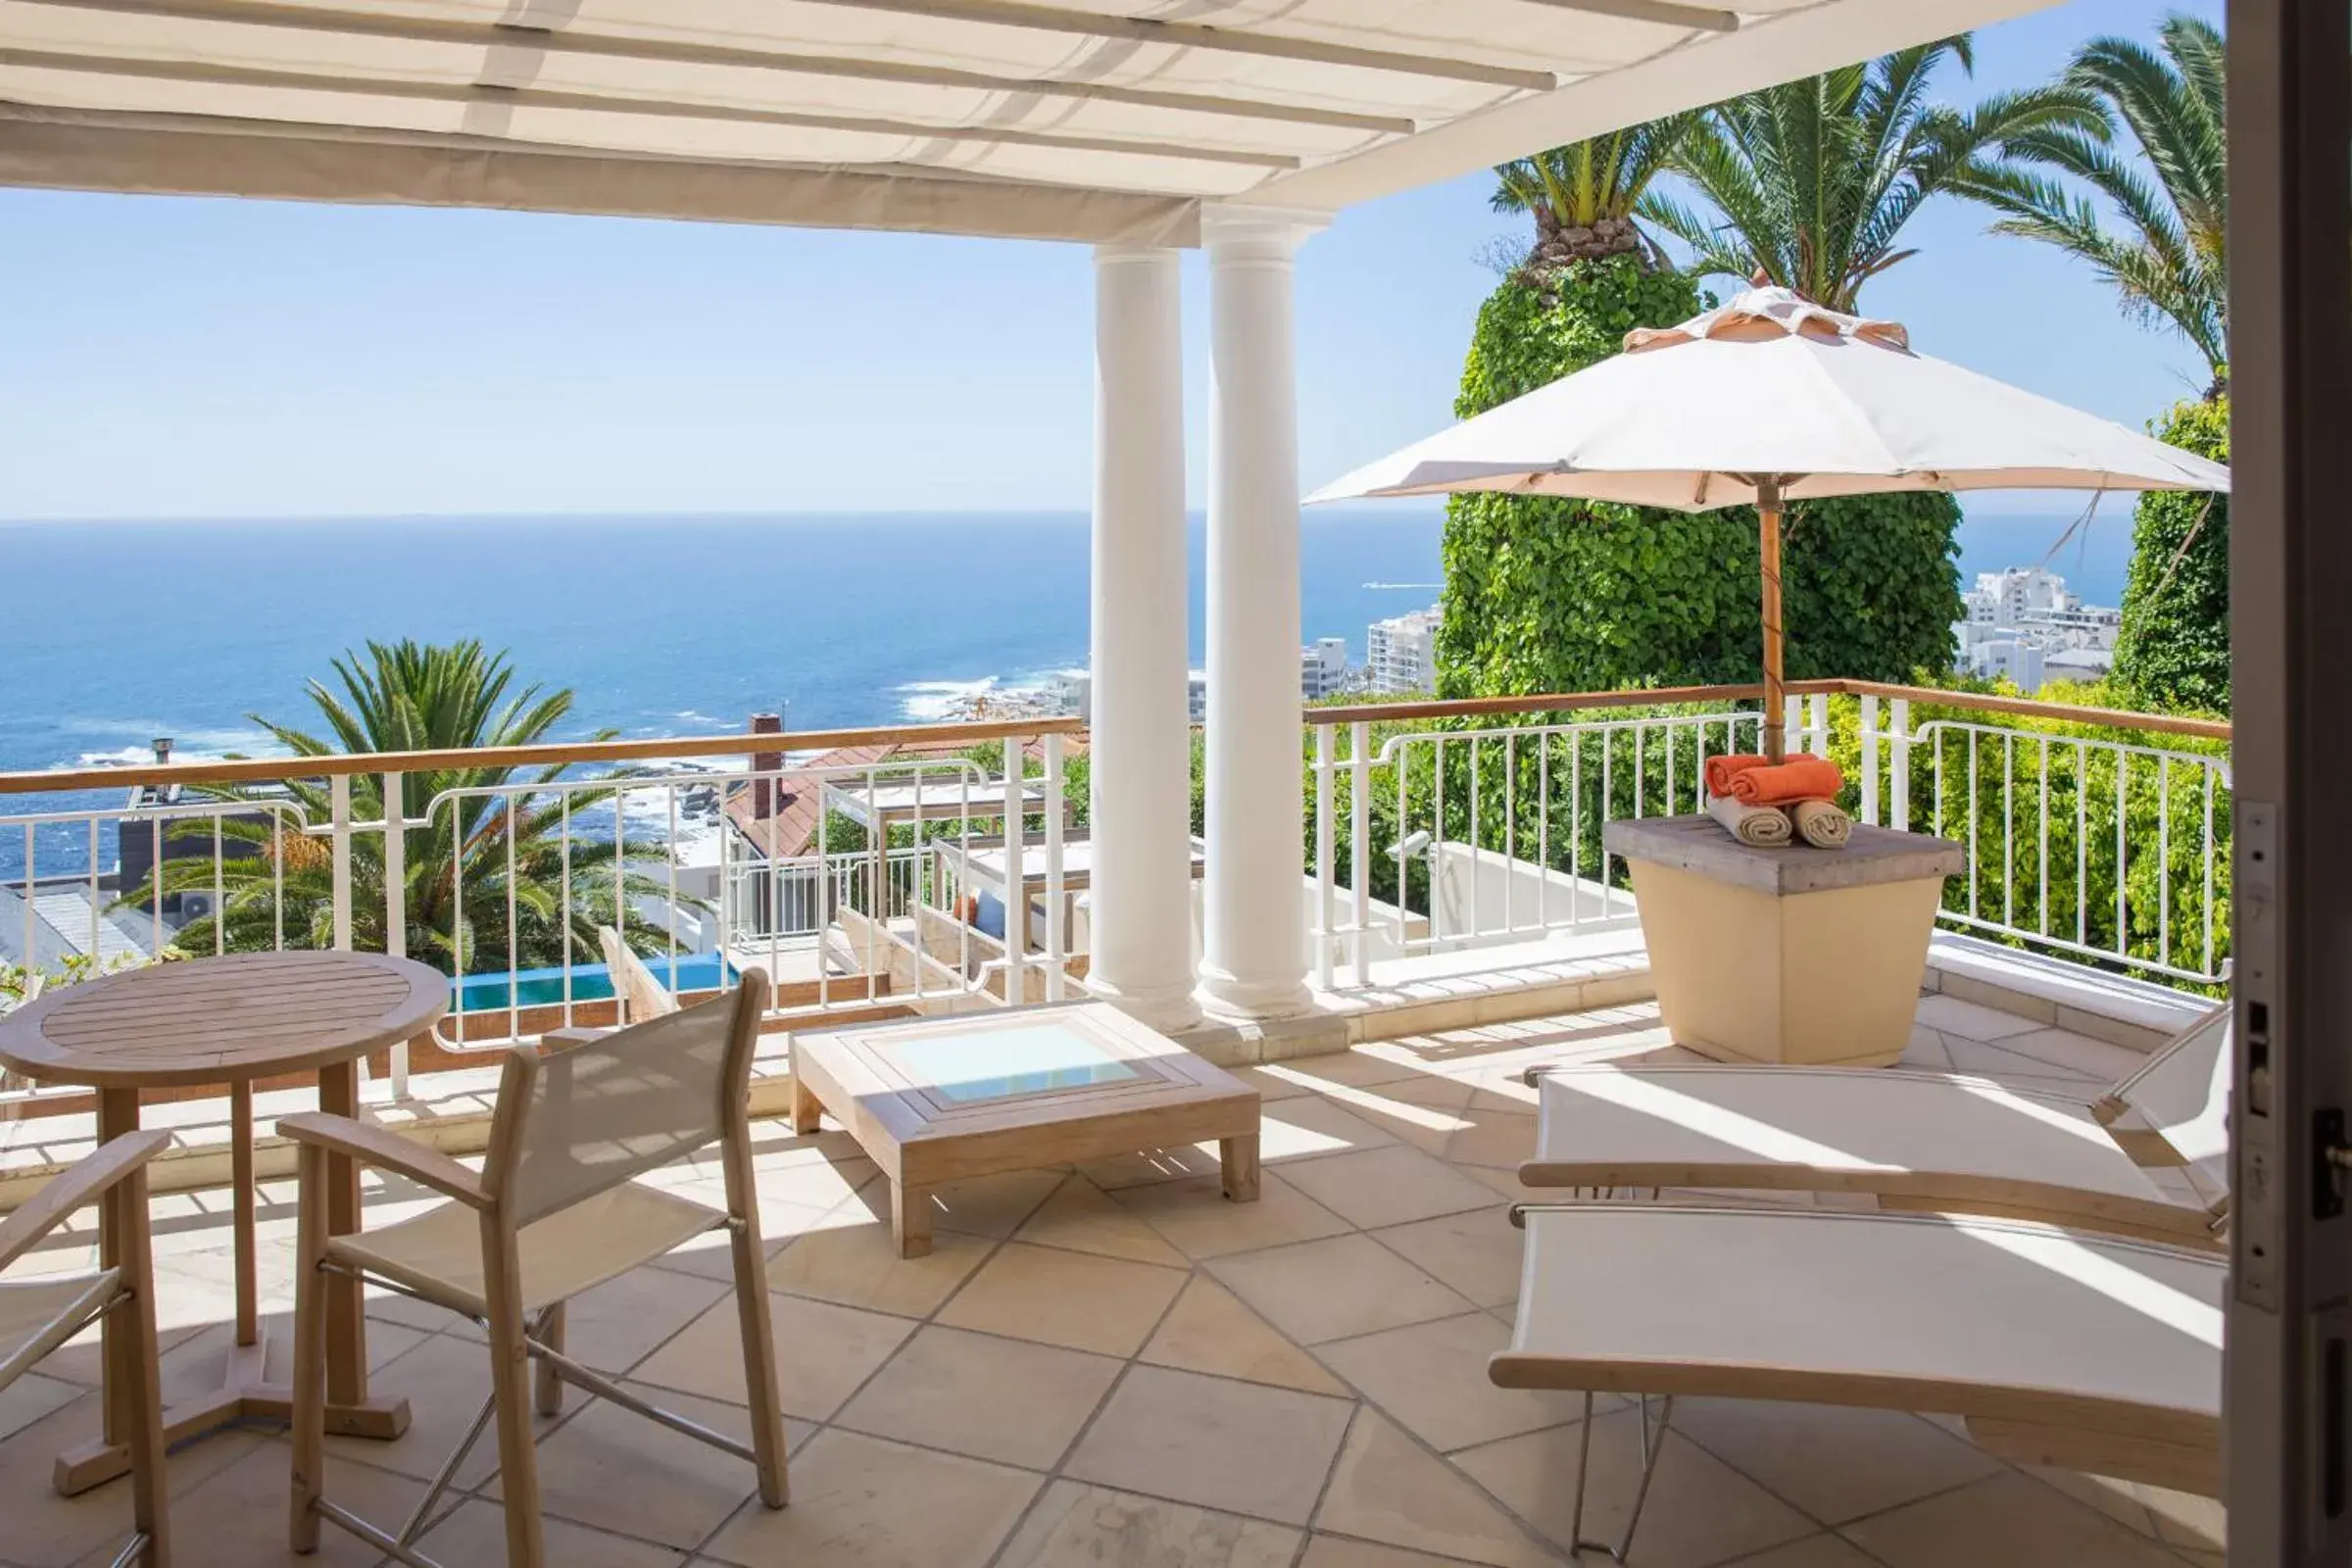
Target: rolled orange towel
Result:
[1720, 770]
[1802, 777]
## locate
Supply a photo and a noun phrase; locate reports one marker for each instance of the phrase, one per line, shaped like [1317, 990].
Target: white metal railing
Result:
[2082, 837]
[526, 869]
[2095, 848]
[1462, 837]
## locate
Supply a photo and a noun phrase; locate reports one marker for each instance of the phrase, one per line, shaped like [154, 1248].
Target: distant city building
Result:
[2024, 626]
[1323, 669]
[1196, 695]
[1072, 692]
[1400, 653]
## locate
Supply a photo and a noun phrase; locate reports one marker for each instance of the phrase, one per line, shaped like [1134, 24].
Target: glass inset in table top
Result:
[1003, 1063]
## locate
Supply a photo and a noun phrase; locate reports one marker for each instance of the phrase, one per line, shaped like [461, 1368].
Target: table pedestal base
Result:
[244, 1395]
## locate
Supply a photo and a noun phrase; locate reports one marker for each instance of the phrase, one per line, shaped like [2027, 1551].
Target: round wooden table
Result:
[232, 1020]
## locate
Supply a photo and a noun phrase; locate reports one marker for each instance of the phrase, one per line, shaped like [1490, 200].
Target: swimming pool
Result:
[590, 982]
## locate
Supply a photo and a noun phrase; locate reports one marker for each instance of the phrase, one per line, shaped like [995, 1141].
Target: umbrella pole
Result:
[1768, 541]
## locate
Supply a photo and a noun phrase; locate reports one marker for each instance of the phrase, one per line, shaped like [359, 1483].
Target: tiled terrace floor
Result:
[1112, 1365]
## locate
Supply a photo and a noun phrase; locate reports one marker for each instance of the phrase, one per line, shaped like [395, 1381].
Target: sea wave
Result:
[927, 701]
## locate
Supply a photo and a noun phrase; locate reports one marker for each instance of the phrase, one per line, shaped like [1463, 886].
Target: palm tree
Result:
[1814, 179]
[2168, 259]
[1584, 195]
[485, 856]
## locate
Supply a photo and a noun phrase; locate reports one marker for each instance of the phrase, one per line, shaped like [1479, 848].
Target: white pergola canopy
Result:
[1108, 121]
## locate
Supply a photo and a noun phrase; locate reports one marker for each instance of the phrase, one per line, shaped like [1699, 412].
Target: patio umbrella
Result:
[1771, 399]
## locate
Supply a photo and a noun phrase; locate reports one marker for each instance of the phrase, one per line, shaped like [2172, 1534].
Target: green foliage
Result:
[1550, 594]
[2168, 258]
[484, 863]
[1812, 181]
[2173, 655]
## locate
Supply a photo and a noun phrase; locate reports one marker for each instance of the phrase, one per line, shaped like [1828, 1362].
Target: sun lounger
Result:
[1912, 1140]
[2056, 1348]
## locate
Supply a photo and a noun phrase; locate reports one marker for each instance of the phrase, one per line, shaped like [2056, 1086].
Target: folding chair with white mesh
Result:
[556, 1210]
[37, 1314]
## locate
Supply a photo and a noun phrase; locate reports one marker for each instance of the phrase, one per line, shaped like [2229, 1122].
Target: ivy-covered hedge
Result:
[1553, 594]
[2174, 652]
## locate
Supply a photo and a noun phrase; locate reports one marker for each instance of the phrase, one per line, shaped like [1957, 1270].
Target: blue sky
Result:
[171, 357]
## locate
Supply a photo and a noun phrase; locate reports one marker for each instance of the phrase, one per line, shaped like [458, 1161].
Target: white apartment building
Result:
[1323, 669]
[1400, 653]
[2024, 624]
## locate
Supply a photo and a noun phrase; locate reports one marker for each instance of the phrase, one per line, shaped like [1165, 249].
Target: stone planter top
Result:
[1874, 854]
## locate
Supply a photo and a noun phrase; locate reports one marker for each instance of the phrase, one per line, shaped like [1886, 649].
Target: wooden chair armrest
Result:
[82, 1184]
[386, 1150]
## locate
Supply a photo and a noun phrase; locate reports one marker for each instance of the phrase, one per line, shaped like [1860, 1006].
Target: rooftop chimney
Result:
[766, 765]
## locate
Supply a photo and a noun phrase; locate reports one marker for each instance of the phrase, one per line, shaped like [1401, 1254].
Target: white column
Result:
[1254, 958]
[1141, 790]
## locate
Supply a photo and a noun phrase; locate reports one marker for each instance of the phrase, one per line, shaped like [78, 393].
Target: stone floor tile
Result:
[1239, 1448]
[1360, 1067]
[1814, 1551]
[1313, 1127]
[1499, 1140]
[1970, 1020]
[1200, 1221]
[710, 1256]
[860, 1502]
[1387, 1488]
[989, 1205]
[2080, 1053]
[1991, 1061]
[1699, 1510]
[1082, 1217]
[823, 1352]
[1146, 1167]
[612, 1469]
[1209, 1330]
[1431, 1378]
[851, 1259]
[617, 1324]
[38, 1529]
[2008, 1517]
[1339, 1551]
[238, 1518]
[1274, 1082]
[1075, 1300]
[1415, 1121]
[989, 1398]
[1077, 1526]
[1477, 1254]
[32, 1396]
[1336, 1289]
[1925, 1051]
[445, 1380]
[474, 1536]
[1834, 1462]
[1390, 1186]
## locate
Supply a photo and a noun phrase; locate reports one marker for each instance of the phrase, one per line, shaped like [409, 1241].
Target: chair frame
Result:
[115, 1176]
[518, 1340]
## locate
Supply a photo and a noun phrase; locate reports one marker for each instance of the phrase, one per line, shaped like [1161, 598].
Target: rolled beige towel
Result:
[1765, 827]
[1821, 825]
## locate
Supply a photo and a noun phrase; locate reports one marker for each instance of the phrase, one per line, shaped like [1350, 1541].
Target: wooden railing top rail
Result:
[1661, 696]
[261, 771]
[2212, 729]
[1552, 703]
[266, 770]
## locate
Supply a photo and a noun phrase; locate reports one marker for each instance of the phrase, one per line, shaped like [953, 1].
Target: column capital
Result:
[1129, 254]
[1238, 229]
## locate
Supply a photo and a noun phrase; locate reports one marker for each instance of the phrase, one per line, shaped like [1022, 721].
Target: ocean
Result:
[120, 632]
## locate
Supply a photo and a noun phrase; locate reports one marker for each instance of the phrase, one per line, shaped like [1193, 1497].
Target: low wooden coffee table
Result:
[944, 1099]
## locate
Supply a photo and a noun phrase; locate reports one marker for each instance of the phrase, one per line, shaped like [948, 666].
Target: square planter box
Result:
[1792, 955]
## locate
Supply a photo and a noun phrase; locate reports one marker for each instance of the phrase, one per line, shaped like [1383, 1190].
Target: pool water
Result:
[590, 982]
